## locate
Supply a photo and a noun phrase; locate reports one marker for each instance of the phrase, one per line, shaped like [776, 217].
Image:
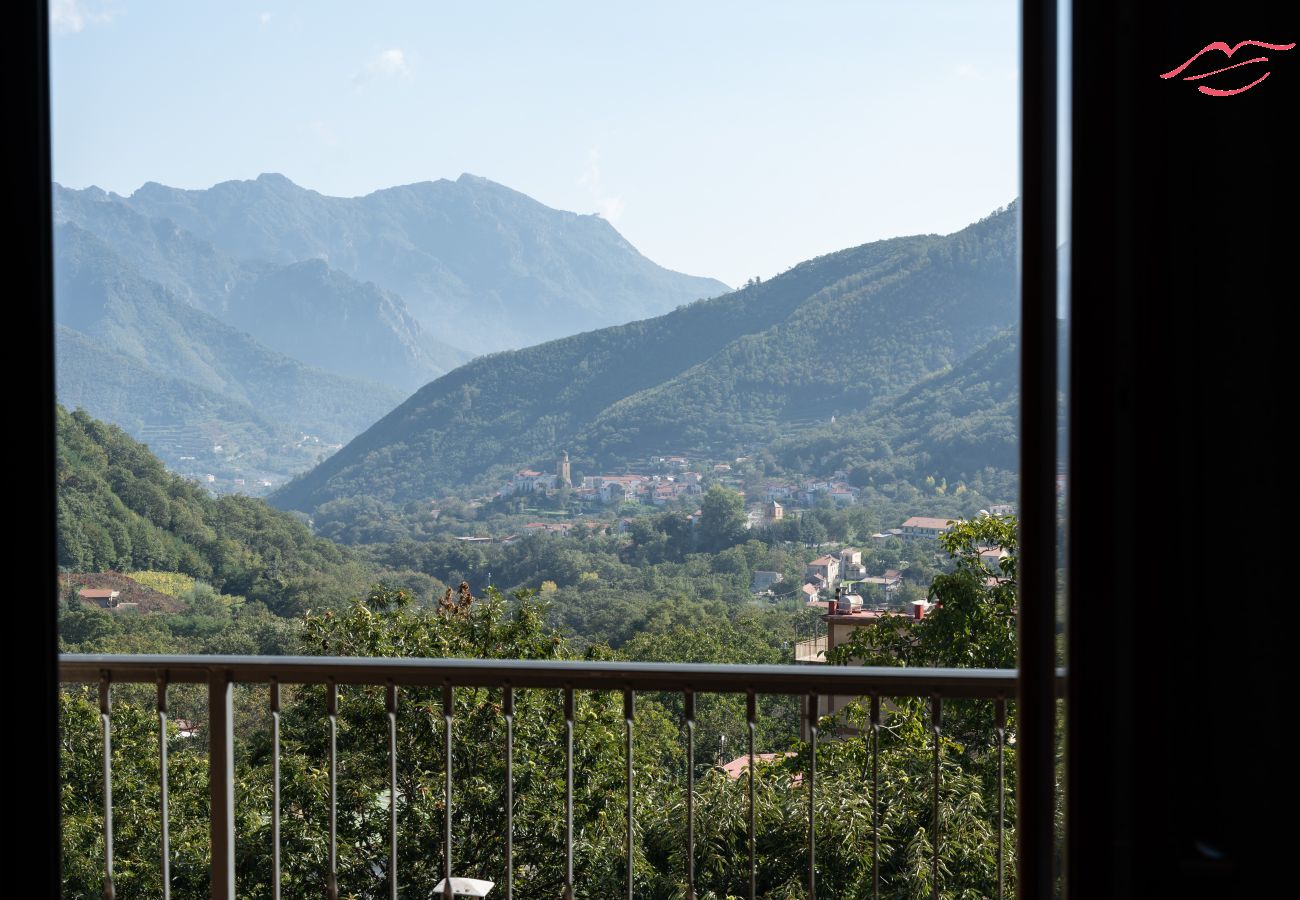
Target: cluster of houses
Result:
[844, 570]
[808, 492]
[845, 610]
[655, 490]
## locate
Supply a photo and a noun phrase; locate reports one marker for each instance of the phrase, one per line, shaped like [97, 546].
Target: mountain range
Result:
[481, 267]
[316, 314]
[847, 334]
[222, 317]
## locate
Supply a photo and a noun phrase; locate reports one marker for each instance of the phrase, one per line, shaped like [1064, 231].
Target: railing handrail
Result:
[578, 674]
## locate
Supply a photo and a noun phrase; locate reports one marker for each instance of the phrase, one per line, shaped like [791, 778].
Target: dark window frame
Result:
[1126, 193]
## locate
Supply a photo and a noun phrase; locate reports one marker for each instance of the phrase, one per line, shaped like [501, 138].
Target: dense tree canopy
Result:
[119, 508]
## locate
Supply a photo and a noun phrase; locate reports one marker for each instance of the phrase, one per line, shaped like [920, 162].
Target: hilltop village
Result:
[833, 538]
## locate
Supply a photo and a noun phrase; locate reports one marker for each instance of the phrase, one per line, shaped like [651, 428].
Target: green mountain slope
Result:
[835, 335]
[952, 425]
[480, 265]
[118, 508]
[305, 309]
[111, 381]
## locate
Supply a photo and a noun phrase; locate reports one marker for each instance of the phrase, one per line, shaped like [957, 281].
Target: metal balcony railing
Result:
[812, 650]
[221, 673]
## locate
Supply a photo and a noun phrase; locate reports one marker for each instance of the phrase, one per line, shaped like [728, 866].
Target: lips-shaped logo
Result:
[1227, 51]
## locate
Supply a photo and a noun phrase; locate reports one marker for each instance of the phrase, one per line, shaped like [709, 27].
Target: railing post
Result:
[508, 708]
[163, 801]
[275, 788]
[221, 782]
[751, 719]
[332, 710]
[875, 796]
[1002, 791]
[105, 685]
[392, 790]
[689, 716]
[448, 710]
[629, 714]
[813, 721]
[568, 792]
[936, 728]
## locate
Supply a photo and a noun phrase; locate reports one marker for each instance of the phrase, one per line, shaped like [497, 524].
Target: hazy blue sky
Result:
[724, 139]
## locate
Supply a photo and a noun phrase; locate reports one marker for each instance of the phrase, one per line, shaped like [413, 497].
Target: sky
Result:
[728, 139]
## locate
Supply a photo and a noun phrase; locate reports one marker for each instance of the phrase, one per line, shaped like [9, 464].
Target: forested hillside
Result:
[955, 424]
[119, 508]
[835, 336]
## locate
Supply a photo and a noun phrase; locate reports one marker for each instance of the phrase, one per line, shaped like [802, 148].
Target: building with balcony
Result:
[928, 527]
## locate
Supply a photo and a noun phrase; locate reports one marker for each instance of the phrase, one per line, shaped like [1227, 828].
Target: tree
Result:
[136, 812]
[811, 531]
[722, 519]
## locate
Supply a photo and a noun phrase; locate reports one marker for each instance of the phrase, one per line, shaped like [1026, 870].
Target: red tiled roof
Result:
[740, 764]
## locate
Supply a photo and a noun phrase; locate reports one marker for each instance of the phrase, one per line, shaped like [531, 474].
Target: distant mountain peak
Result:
[481, 265]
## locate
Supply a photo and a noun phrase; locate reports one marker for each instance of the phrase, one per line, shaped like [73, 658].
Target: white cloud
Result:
[71, 16]
[388, 64]
[264, 18]
[609, 205]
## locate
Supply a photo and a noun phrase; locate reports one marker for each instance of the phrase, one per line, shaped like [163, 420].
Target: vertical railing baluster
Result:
[448, 708]
[163, 800]
[689, 715]
[392, 790]
[875, 796]
[332, 705]
[751, 718]
[1002, 796]
[107, 728]
[508, 707]
[629, 713]
[813, 720]
[221, 782]
[936, 722]
[568, 793]
[275, 788]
